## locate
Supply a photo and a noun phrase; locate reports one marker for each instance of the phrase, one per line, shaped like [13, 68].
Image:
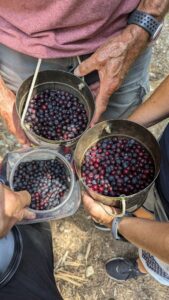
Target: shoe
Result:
[121, 269]
[101, 226]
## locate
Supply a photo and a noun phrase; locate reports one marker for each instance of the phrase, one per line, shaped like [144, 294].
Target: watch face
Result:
[157, 32]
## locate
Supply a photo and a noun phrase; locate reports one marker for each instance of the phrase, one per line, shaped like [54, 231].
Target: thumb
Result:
[89, 203]
[28, 215]
[101, 103]
[25, 214]
[86, 67]
[106, 90]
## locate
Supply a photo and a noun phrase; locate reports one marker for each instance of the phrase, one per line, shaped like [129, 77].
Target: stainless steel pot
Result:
[54, 80]
[118, 128]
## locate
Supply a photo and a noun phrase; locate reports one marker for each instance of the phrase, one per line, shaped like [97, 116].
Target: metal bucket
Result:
[118, 128]
[54, 80]
[47, 154]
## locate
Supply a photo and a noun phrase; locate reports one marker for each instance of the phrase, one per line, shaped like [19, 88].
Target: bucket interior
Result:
[42, 154]
[56, 80]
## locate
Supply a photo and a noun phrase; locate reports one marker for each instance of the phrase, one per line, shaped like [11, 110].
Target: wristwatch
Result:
[147, 22]
[115, 226]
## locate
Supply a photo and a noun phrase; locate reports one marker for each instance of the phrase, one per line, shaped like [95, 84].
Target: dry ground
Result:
[80, 250]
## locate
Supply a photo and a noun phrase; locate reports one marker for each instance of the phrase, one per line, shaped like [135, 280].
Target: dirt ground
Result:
[80, 250]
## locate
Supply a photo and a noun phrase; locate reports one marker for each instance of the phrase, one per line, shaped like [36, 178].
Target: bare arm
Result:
[114, 58]
[149, 235]
[157, 8]
[155, 109]
[9, 114]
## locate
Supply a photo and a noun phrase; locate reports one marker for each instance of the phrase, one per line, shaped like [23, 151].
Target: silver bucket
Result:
[118, 128]
[55, 80]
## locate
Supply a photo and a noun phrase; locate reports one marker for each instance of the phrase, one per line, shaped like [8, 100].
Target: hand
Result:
[112, 61]
[100, 213]
[9, 114]
[13, 208]
[95, 88]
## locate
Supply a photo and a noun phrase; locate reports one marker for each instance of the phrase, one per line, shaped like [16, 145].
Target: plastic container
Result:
[71, 200]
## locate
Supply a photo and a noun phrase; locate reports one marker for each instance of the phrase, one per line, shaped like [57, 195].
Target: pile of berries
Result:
[46, 180]
[117, 166]
[56, 115]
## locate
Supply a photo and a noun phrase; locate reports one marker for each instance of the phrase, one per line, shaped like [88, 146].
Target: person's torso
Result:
[61, 28]
[162, 182]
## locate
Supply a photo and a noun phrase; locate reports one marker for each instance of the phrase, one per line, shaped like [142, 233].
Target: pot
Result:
[122, 128]
[55, 80]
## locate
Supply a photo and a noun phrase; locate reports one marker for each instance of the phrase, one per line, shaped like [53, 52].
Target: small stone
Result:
[89, 271]
[80, 256]
[61, 228]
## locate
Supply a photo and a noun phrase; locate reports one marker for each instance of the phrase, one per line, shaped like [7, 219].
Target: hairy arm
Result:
[114, 58]
[156, 8]
[155, 109]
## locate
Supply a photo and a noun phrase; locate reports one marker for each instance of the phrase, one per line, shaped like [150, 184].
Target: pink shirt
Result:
[61, 28]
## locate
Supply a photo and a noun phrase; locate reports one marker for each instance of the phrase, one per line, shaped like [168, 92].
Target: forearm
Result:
[151, 236]
[5, 92]
[156, 8]
[155, 109]
[138, 38]
[7, 98]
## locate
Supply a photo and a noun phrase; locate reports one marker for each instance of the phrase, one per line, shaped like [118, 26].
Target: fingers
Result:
[95, 88]
[24, 214]
[28, 215]
[101, 103]
[24, 198]
[101, 213]
[86, 67]
[108, 85]
[93, 208]
[88, 203]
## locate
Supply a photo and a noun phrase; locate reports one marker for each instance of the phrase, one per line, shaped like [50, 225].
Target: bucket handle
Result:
[123, 201]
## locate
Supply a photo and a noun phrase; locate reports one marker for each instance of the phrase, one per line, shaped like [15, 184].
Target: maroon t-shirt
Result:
[61, 28]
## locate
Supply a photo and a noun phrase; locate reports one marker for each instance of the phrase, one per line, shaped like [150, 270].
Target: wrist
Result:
[137, 34]
[157, 8]
[116, 226]
[138, 121]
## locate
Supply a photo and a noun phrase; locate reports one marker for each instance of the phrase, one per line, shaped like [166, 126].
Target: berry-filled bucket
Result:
[49, 178]
[59, 111]
[117, 162]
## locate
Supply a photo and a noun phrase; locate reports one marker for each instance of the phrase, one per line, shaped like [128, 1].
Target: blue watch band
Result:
[146, 21]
